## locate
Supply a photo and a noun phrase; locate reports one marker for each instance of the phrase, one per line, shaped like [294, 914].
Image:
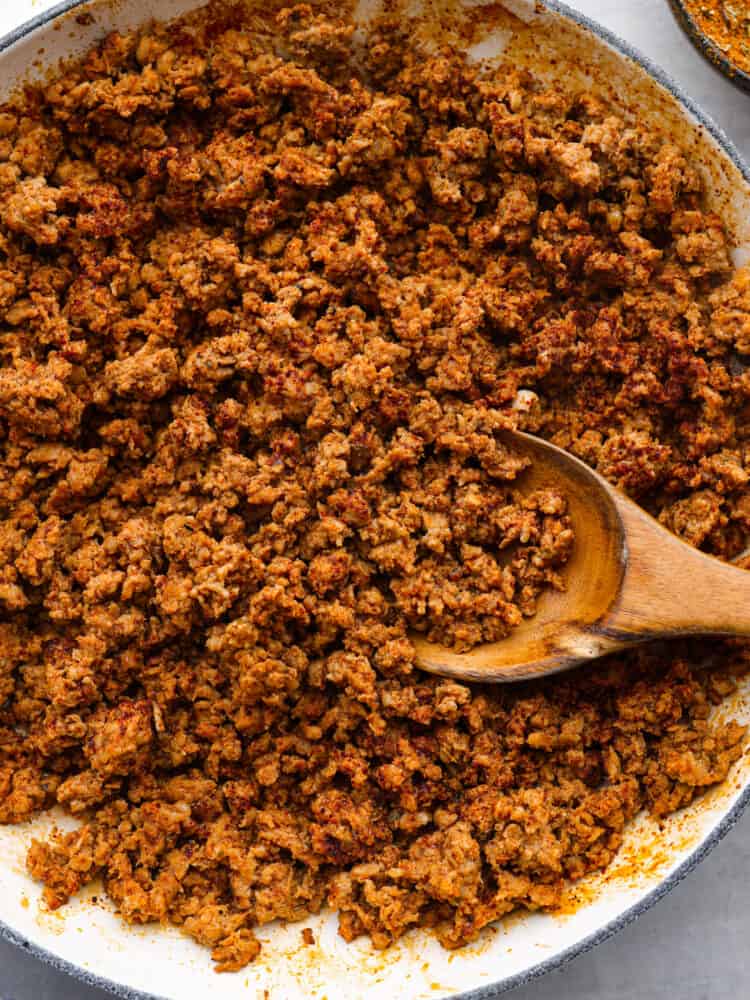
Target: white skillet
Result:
[90, 942]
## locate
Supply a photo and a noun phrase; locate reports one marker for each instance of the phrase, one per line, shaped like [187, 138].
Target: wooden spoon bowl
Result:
[628, 581]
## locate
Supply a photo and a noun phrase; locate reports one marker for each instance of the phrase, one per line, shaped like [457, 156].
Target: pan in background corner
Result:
[708, 47]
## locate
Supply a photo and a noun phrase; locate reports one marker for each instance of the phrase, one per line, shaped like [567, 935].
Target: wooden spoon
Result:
[628, 581]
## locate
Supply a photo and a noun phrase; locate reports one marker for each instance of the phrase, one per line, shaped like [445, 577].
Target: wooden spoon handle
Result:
[670, 589]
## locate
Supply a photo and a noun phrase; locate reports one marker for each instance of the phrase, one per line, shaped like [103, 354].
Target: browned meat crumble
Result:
[263, 318]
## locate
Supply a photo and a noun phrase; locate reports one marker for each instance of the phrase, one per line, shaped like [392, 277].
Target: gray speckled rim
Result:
[732, 816]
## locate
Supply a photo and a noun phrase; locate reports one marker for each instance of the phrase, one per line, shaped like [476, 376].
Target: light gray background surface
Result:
[693, 945]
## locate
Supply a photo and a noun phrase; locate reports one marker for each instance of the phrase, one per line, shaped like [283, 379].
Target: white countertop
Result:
[693, 944]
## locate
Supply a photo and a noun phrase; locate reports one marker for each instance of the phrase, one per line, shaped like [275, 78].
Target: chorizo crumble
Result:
[265, 313]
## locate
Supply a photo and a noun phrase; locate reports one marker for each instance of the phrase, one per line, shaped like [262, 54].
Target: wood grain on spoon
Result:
[629, 580]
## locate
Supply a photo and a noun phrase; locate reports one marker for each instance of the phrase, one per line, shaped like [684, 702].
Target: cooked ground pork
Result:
[264, 319]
